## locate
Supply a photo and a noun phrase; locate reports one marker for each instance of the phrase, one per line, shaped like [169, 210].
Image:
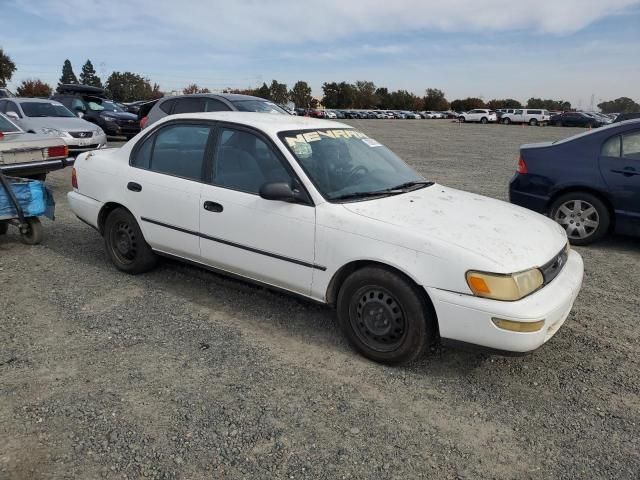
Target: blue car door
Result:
[620, 168]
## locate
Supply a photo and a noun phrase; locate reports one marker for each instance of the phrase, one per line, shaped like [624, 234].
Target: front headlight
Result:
[109, 119]
[52, 131]
[98, 132]
[508, 287]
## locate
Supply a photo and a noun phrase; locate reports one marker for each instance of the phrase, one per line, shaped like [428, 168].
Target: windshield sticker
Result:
[310, 137]
[371, 142]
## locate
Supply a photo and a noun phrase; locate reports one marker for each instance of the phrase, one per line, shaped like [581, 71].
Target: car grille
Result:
[81, 134]
[128, 125]
[553, 267]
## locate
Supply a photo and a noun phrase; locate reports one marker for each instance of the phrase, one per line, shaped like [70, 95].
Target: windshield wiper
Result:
[406, 185]
[376, 193]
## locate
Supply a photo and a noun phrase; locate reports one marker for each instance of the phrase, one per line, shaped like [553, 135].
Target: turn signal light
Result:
[74, 178]
[58, 151]
[521, 327]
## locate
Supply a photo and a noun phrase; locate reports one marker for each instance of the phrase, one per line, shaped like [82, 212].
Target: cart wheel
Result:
[3, 228]
[34, 234]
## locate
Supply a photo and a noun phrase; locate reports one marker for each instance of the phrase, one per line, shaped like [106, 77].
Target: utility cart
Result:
[22, 201]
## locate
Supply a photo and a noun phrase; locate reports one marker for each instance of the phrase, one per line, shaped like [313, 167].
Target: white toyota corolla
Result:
[317, 208]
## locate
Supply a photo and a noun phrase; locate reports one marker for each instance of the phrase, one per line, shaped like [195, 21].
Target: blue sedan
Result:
[588, 183]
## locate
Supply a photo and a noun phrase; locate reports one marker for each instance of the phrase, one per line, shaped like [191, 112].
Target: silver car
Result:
[49, 117]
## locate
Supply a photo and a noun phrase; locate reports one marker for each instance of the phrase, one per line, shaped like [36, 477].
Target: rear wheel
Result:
[384, 316]
[506, 121]
[125, 243]
[484, 120]
[584, 217]
[461, 119]
[533, 122]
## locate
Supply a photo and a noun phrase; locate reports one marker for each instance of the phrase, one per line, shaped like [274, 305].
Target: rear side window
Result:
[177, 150]
[167, 105]
[611, 148]
[213, 105]
[189, 105]
[631, 145]
[534, 112]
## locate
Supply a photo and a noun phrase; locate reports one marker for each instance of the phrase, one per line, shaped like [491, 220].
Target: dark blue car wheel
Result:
[583, 216]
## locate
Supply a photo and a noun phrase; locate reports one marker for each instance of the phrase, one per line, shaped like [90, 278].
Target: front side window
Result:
[518, 112]
[631, 145]
[12, 107]
[245, 162]
[346, 163]
[611, 148]
[45, 109]
[177, 150]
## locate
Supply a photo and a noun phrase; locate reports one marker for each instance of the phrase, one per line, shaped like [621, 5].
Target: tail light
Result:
[143, 122]
[522, 167]
[74, 178]
[58, 151]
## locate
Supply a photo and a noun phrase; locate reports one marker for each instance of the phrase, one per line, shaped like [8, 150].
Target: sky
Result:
[562, 49]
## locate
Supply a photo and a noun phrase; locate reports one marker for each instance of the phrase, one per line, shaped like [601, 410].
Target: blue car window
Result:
[611, 148]
[631, 145]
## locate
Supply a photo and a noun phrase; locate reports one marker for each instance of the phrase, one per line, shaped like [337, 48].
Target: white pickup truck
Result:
[532, 116]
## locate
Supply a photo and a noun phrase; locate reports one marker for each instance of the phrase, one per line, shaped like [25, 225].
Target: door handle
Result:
[627, 172]
[134, 187]
[213, 207]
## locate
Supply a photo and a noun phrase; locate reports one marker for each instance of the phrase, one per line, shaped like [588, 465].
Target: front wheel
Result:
[484, 120]
[384, 316]
[126, 245]
[461, 119]
[533, 122]
[506, 121]
[584, 217]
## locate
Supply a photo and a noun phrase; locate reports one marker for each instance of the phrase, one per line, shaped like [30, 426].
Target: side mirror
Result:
[281, 191]
[12, 115]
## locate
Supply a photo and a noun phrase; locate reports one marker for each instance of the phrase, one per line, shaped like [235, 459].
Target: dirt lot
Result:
[181, 373]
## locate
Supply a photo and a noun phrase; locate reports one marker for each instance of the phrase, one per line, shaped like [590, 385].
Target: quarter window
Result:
[631, 146]
[167, 105]
[188, 105]
[611, 148]
[177, 150]
[213, 105]
[245, 162]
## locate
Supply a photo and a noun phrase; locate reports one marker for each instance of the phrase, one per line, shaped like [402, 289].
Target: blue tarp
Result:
[33, 196]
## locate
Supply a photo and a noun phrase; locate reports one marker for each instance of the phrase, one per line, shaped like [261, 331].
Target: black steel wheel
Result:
[125, 243]
[385, 316]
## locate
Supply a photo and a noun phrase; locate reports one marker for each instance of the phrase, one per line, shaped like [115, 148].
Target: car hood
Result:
[120, 115]
[61, 123]
[507, 238]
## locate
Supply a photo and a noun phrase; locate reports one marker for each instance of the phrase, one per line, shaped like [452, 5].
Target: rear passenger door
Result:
[162, 188]
[620, 168]
[266, 240]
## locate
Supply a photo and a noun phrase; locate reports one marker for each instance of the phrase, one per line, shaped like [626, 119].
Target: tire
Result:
[506, 121]
[461, 119]
[533, 122]
[384, 316]
[484, 120]
[34, 233]
[4, 228]
[126, 245]
[584, 217]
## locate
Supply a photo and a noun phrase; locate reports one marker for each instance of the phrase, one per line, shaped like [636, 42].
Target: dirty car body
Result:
[319, 209]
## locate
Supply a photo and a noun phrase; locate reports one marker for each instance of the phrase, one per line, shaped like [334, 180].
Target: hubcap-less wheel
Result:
[123, 242]
[579, 218]
[377, 319]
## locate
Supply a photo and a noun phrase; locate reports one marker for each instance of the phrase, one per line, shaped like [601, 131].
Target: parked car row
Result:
[371, 114]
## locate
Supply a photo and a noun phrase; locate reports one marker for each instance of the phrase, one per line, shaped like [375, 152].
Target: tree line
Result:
[363, 94]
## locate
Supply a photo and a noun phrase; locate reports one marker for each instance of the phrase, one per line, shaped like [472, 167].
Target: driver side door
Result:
[241, 232]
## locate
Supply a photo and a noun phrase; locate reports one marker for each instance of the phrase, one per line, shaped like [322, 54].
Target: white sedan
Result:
[319, 209]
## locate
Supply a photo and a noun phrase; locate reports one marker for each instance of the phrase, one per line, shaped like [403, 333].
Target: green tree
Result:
[504, 103]
[7, 67]
[67, 74]
[402, 100]
[88, 75]
[619, 105]
[129, 87]
[263, 92]
[34, 88]
[364, 94]
[300, 94]
[548, 104]
[467, 104]
[194, 88]
[338, 95]
[383, 97]
[278, 92]
[435, 100]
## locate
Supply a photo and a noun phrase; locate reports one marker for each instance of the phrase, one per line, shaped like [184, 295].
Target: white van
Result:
[532, 116]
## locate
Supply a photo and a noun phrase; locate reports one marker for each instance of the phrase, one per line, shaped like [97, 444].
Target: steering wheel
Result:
[355, 171]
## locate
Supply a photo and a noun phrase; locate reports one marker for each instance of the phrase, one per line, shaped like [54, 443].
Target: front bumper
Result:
[125, 128]
[466, 318]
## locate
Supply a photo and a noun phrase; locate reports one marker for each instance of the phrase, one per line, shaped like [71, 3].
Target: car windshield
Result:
[45, 109]
[345, 164]
[98, 105]
[261, 106]
[7, 127]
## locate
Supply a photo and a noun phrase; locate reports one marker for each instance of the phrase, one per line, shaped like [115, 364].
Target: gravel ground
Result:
[181, 373]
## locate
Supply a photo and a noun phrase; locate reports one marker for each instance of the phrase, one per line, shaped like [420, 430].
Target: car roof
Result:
[227, 96]
[37, 100]
[271, 123]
